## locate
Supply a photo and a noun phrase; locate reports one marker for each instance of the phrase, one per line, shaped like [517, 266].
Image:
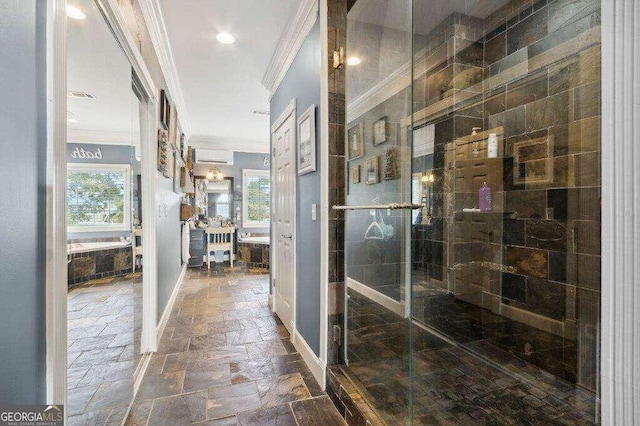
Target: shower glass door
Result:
[482, 306]
[378, 251]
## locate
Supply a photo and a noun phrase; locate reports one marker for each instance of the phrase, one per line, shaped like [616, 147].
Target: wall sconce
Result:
[214, 175]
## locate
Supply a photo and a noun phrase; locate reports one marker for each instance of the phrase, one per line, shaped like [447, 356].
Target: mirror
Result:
[220, 199]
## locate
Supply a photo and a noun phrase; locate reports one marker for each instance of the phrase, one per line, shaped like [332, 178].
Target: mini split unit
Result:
[214, 156]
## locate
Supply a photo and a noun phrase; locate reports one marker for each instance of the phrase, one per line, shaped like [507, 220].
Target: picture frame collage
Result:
[173, 151]
[355, 149]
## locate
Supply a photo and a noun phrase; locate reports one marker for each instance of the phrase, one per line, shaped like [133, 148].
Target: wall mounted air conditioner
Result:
[214, 156]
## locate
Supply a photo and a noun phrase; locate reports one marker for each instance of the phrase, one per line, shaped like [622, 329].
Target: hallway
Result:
[225, 358]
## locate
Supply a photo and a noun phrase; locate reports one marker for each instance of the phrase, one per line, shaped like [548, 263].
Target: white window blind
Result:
[98, 198]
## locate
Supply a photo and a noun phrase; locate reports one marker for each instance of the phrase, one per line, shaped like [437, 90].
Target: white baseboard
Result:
[381, 299]
[314, 363]
[167, 310]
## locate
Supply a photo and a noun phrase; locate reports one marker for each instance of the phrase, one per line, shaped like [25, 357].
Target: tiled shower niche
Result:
[514, 290]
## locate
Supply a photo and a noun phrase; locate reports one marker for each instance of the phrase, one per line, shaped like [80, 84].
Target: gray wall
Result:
[23, 205]
[168, 240]
[167, 211]
[303, 83]
[111, 154]
[241, 160]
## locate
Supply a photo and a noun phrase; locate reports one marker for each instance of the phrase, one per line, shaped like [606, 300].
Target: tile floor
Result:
[449, 384]
[226, 359]
[101, 354]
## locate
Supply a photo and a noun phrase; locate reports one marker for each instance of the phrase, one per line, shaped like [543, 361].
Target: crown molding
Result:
[106, 137]
[289, 44]
[154, 19]
[229, 144]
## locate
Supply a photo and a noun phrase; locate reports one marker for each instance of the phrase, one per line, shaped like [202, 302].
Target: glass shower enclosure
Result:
[472, 228]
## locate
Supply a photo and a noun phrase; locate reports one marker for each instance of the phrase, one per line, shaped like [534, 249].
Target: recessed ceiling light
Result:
[75, 13]
[226, 38]
[354, 60]
[71, 118]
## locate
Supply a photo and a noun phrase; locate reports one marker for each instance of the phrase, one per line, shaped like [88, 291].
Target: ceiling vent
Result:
[80, 95]
[214, 156]
[259, 112]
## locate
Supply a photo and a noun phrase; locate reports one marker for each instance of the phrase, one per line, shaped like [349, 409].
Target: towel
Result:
[186, 237]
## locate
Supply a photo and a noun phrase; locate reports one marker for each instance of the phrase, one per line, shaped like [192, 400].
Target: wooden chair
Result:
[220, 239]
[136, 250]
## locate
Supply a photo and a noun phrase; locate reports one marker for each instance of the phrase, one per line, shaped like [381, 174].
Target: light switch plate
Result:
[314, 212]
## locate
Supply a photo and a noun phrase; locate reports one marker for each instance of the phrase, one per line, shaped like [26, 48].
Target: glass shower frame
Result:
[481, 277]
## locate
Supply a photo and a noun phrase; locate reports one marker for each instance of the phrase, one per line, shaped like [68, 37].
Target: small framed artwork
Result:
[372, 170]
[307, 141]
[355, 174]
[380, 131]
[163, 151]
[355, 141]
[177, 174]
[183, 146]
[165, 110]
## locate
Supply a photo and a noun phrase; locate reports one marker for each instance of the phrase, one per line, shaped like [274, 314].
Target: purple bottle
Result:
[484, 198]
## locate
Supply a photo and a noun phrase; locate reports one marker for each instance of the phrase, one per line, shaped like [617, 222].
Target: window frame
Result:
[246, 223]
[93, 167]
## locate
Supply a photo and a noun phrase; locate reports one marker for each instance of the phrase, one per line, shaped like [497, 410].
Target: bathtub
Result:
[95, 246]
[254, 251]
[90, 260]
[255, 240]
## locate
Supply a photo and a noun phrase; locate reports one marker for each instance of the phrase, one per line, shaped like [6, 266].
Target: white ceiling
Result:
[97, 65]
[221, 84]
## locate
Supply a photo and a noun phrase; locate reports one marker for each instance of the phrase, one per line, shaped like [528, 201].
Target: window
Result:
[98, 198]
[256, 198]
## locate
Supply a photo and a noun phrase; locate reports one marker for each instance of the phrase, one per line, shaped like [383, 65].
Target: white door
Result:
[284, 214]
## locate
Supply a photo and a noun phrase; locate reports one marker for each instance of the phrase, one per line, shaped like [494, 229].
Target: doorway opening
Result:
[104, 213]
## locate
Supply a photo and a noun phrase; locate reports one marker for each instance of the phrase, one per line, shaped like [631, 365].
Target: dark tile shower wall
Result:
[530, 73]
[337, 26]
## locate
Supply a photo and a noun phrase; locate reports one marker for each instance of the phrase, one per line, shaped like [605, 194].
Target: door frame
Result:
[289, 112]
[56, 260]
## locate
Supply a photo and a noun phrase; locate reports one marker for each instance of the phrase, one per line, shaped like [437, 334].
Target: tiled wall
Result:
[531, 74]
[253, 255]
[337, 25]
[97, 264]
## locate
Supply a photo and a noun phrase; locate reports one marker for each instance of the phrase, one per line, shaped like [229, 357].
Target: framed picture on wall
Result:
[380, 131]
[163, 151]
[165, 110]
[355, 141]
[177, 174]
[355, 174]
[307, 141]
[372, 170]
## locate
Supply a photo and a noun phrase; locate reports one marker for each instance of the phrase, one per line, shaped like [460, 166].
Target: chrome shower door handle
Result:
[288, 237]
[392, 206]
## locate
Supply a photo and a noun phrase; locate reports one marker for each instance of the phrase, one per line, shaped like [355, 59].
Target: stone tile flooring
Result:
[226, 359]
[449, 384]
[100, 346]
